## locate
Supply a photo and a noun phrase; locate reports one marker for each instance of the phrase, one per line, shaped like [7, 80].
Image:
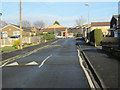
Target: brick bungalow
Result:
[104, 26]
[34, 30]
[14, 30]
[59, 30]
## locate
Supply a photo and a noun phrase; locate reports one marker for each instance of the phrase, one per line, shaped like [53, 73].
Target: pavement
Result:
[56, 66]
[105, 65]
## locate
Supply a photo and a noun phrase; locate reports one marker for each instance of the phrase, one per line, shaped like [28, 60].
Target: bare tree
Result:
[80, 21]
[39, 24]
[3, 23]
[26, 23]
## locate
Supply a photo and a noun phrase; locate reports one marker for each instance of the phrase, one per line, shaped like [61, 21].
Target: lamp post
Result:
[20, 24]
[0, 31]
[87, 4]
[0, 16]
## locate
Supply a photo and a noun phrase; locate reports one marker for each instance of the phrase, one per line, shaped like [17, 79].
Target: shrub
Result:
[98, 36]
[16, 43]
[50, 36]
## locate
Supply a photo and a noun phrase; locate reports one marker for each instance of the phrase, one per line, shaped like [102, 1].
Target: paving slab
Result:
[106, 66]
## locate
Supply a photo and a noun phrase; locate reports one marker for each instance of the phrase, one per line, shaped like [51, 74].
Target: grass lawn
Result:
[8, 48]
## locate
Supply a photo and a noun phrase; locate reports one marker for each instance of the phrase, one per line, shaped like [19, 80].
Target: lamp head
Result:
[0, 13]
[86, 4]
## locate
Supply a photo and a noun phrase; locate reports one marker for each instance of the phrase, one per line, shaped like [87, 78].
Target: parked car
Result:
[15, 37]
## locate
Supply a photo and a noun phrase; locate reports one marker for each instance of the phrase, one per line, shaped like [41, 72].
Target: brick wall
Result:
[25, 40]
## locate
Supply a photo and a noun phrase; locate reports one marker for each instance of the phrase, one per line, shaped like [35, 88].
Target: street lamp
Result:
[87, 4]
[0, 31]
[0, 16]
[0, 20]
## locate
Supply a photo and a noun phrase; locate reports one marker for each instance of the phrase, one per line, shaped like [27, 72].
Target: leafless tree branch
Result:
[26, 23]
[80, 21]
[3, 23]
[39, 24]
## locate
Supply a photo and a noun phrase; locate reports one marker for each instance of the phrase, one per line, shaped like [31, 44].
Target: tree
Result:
[3, 23]
[39, 24]
[26, 23]
[98, 35]
[56, 22]
[80, 21]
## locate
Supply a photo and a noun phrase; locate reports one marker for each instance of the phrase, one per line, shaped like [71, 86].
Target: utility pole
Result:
[20, 24]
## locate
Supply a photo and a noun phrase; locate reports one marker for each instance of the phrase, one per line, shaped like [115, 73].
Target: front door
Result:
[64, 34]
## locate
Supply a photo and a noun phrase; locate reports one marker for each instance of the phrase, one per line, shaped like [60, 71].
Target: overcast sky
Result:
[64, 12]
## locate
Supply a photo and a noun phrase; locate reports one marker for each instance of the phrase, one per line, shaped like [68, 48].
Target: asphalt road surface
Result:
[56, 66]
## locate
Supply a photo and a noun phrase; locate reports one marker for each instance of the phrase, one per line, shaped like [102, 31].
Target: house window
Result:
[16, 33]
[93, 28]
[99, 27]
[106, 27]
[4, 34]
[115, 34]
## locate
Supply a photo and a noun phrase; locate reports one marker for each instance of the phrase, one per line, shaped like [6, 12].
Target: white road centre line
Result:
[86, 73]
[44, 61]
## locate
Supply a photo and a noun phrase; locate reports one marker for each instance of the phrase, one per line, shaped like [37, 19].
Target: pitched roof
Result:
[54, 26]
[115, 16]
[73, 31]
[23, 28]
[100, 23]
[52, 29]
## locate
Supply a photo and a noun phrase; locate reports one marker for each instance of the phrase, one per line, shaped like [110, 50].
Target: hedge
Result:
[98, 35]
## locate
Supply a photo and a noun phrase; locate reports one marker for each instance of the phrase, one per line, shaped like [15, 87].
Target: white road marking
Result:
[32, 63]
[44, 61]
[86, 73]
[12, 64]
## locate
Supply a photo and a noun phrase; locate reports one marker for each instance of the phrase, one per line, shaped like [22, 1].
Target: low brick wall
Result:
[31, 40]
[25, 40]
[110, 39]
[112, 51]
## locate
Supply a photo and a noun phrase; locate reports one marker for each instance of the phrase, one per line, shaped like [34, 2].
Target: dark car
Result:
[15, 37]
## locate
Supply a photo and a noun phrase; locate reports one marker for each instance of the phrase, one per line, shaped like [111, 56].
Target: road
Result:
[56, 66]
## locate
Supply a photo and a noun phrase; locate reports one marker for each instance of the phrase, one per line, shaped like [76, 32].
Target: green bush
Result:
[50, 36]
[39, 34]
[98, 36]
[16, 43]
